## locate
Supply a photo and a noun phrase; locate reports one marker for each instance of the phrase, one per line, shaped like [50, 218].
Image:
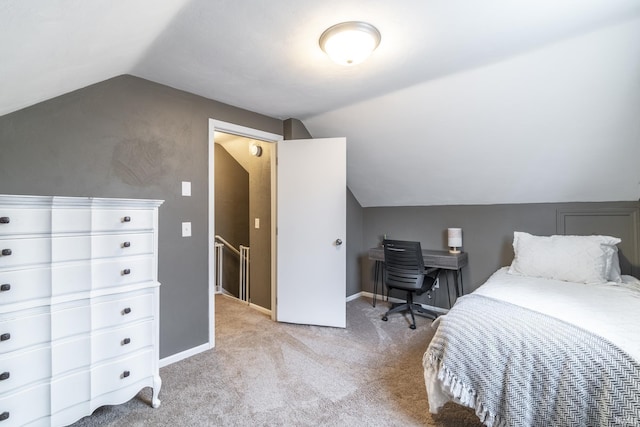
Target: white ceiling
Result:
[464, 102]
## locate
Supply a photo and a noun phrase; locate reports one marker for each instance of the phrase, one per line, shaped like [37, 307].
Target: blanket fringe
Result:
[460, 392]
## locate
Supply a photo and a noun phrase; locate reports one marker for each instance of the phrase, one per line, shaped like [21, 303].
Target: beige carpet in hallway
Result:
[264, 373]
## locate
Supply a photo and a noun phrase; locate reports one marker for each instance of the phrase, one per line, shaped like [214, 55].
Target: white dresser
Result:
[78, 306]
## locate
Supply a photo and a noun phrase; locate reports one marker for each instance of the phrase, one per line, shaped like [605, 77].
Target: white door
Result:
[311, 232]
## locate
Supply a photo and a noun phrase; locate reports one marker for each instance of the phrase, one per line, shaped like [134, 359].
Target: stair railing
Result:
[243, 255]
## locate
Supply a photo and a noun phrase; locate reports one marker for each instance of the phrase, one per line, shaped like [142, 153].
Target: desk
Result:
[432, 259]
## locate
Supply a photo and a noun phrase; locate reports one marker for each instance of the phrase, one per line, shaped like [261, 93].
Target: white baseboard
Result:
[382, 299]
[184, 354]
[260, 309]
[252, 305]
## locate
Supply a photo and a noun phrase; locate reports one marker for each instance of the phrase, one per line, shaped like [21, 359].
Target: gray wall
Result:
[128, 137]
[355, 216]
[232, 213]
[487, 233]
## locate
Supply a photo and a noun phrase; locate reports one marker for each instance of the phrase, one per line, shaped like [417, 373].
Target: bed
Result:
[552, 340]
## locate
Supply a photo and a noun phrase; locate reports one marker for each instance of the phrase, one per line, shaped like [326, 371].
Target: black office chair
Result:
[404, 270]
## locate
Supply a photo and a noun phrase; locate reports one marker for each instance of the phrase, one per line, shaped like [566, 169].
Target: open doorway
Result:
[243, 220]
[266, 138]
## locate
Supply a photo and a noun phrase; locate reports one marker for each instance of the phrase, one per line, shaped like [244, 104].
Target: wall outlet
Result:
[186, 229]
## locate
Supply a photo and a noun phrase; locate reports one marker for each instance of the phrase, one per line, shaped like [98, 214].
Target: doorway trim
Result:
[227, 127]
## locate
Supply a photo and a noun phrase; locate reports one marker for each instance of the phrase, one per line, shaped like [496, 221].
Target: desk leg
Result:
[376, 279]
[446, 276]
[459, 291]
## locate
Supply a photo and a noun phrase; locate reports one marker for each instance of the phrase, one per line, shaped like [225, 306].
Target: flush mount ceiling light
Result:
[350, 43]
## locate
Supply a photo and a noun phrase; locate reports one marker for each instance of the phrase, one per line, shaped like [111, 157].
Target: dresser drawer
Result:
[119, 312]
[25, 406]
[121, 373]
[117, 245]
[122, 271]
[70, 278]
[122, 220]
[70, 220]
[71, 320]
[21, 332]
[24, 367]
[24, 221]
[119, 342]
[35, 251]
[69, 390]
[21, 252]
[24, 285]
[70, 354]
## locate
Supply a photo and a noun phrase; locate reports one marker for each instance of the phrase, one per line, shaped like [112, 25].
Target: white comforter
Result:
[511, 386]
[611, 310]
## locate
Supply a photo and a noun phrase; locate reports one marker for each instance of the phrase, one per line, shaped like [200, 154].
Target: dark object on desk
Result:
[404, 270]
[451, 263]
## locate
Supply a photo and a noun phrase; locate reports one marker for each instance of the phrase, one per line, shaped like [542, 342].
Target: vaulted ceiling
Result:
[464, 102]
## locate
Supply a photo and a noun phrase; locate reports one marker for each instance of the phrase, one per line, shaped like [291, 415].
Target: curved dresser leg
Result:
[157, 383]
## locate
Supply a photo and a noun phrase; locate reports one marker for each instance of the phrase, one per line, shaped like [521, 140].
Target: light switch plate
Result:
[186, 229]
[186, 188]
[256, 223]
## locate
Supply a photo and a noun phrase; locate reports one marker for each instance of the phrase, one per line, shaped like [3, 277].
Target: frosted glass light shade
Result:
[350, 43]
[454, 237]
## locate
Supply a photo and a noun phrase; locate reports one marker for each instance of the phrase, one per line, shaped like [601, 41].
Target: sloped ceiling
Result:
[463, 102]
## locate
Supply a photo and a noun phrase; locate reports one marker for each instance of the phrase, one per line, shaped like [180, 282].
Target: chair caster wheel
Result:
[385, 318]
[412, 326]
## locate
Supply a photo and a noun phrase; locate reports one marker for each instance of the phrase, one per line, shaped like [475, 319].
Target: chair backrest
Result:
[404, 265]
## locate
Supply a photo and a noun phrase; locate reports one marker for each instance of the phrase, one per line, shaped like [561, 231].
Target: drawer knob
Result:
[126, 219]
[5, 220]
[4, 416]
[126, 244]
[125, 374]
[6, 252]
[5, 337]
[127, 310]
[5, 287]
[126, 341]
[126, 271]
[4, 376]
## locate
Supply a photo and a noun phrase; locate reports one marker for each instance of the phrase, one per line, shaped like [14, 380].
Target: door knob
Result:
[338, 242]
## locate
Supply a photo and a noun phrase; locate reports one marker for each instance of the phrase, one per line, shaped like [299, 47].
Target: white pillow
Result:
[614, 272]
[580, 259]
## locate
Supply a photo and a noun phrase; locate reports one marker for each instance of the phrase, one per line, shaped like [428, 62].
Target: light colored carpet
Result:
[264, 373]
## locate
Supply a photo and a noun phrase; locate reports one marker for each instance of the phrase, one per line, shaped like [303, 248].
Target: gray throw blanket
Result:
[517, 367]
